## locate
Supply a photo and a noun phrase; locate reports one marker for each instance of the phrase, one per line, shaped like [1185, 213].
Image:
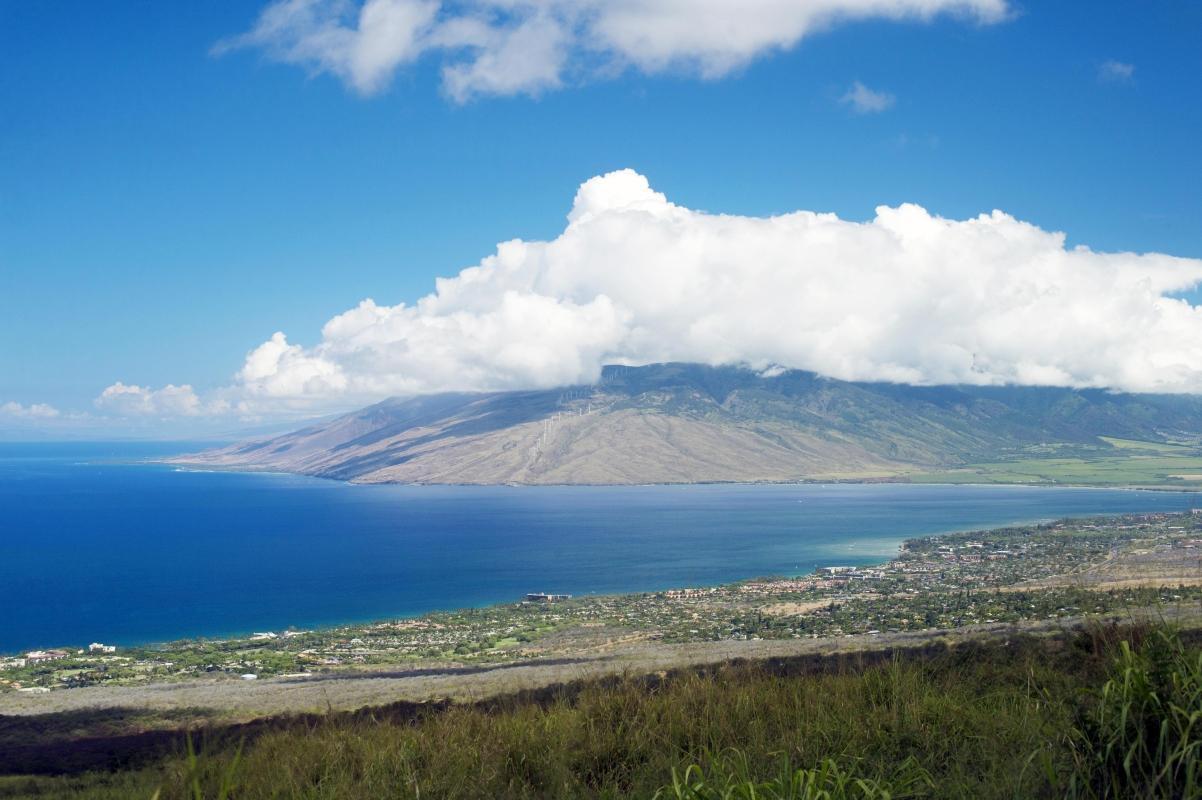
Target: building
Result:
[836, 570]
[97, 647]
[542, 597]
[38, 656]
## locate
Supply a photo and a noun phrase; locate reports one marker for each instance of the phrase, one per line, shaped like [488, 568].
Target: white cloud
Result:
[907, 297]
[866, 101]
[527, 57]
[1115, 72]
[31, 411]
[505, 47]
[362, 45]
[133, 400]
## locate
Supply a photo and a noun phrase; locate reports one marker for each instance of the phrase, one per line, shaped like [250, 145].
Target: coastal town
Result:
[1064, 569]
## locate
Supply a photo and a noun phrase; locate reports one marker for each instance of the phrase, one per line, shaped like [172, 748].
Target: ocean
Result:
[98, 545]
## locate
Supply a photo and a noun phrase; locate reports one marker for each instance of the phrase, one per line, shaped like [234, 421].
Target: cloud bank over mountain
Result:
[506, 47]
[906, 297]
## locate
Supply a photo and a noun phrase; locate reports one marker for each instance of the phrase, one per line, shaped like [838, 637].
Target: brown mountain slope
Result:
[681, 423]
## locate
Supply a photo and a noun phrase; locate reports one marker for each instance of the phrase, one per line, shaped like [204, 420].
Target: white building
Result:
[836, 570]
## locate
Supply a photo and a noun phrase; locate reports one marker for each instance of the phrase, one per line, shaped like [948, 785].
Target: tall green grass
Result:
[1090, 718]
[1141, 736]
[730, 777]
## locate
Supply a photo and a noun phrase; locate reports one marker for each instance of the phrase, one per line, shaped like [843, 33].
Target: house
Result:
[38, 656]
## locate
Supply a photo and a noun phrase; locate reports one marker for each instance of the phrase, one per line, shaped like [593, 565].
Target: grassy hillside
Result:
[1107, 713]
[682, 423]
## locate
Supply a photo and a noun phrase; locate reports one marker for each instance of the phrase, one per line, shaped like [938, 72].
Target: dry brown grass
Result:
[793, 609]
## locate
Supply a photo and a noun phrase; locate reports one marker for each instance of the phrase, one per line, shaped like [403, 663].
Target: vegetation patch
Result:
[1107, 713]
[1113, 462]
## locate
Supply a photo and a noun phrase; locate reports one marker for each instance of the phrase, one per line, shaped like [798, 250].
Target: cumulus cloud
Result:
[1115, 72]
[135, 401]
[504, 47]
[31, 411]
[907, 297]
[866, 101]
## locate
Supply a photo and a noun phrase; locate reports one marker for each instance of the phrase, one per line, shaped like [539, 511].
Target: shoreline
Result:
[900, 480]
[326, 628]
[192, 466]
[1004, 578]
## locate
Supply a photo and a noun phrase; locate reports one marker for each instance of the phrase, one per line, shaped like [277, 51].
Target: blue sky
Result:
[164, 210]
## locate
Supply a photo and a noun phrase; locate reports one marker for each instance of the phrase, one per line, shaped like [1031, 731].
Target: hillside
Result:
[683, 423]
[1104, 712]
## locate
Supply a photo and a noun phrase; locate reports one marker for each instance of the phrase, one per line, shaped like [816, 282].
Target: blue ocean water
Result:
[95, 546]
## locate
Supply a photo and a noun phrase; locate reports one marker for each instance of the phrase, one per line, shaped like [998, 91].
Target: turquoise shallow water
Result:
[97, 547]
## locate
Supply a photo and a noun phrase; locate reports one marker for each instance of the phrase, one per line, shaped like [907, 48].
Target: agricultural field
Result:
[1117, 463]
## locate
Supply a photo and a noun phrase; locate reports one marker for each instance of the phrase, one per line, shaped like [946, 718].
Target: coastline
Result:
[942, 591]
[877, 563]
[898, 480]
[327, 626]
[851, 522]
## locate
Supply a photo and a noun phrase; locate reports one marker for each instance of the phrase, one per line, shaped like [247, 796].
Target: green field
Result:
[1118, 462]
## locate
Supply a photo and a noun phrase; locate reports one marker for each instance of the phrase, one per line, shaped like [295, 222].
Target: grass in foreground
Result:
[1110, 714]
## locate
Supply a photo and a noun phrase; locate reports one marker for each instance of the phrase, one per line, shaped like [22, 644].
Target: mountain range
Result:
[690, 423]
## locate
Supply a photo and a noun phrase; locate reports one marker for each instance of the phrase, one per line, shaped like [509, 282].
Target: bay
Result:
[98, 545]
